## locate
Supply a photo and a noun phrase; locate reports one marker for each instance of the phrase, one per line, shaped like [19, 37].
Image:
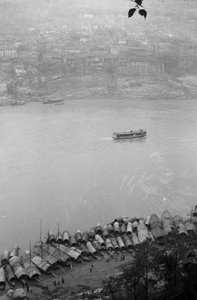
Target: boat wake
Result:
[108, 138]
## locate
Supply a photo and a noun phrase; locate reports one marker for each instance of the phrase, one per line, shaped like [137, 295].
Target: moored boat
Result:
[167, 221]
[17, 103]
[41, 264]
[52, 101]
[32, 271]
[10, 275]
[129, 134]
[5, 258]
[59, 239]
[14, 251]
[18, 269]
[66, 238]
[2, 278]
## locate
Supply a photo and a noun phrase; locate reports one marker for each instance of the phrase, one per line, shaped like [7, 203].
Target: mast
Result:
[58, 231]
[40, 230]
[30, 251]
[41, 236]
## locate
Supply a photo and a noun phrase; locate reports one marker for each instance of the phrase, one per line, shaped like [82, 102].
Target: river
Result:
[59, 164]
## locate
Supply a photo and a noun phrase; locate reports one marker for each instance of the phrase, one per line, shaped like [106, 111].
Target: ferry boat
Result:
[129, 135]
[52, 101]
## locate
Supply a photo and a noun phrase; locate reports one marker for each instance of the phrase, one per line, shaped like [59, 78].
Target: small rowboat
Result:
[129, 135]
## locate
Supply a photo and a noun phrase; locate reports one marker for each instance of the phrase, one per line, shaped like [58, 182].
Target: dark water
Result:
[60, 164]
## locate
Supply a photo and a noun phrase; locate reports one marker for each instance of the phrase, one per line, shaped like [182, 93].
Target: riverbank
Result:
[108, 257]
[72, 283]
[105, 86]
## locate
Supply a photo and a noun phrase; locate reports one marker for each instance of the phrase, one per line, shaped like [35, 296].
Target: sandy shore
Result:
[70, 283]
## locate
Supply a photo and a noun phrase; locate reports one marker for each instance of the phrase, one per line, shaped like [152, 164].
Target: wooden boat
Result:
[98, 229]
[109, 245]
[53, 101]
[5, 258]
[194, 211]
[135, 240]
[14, 251]
[51, 239]
[73, 241]
[128, 243]
[105, 232]
[120, 243]
[167, 221]
[129, 135]
[2, 278]
[32, 271]
[41, 264]
[53, 255]
[99, 239]
[189, 224]
[66, 238]
[142, 232]
[78, 236]
[59, 239]
[129, 229]
[116, 228]
[44, 250]
[91, 248]
[75, 255]
[18, 269]
[10, 275]
[115, 244]
[91, 234]
[85, 238]
[100, 249]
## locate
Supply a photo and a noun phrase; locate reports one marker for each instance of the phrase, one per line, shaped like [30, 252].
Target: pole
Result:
[38, 280]
[53, 274]
[71, 266]
[62, 269]
[30, 251]
[40, 230]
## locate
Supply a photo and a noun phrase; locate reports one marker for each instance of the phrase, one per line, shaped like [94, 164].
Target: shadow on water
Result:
[137, 140]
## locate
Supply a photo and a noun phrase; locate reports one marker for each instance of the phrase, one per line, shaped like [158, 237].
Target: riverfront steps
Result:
[100, 242]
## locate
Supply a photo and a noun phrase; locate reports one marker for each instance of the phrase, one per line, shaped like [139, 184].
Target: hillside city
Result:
[44, 41]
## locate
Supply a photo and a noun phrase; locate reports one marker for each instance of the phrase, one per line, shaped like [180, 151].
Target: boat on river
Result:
[17, 103]
[129, 134]
[54, 101]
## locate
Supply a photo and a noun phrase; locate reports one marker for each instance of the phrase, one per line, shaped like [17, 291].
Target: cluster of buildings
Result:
[90, 41]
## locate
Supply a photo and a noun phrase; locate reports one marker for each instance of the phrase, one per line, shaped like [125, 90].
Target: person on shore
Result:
[27, 286]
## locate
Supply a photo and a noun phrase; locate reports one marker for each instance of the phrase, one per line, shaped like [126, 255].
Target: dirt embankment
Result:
[102, 85]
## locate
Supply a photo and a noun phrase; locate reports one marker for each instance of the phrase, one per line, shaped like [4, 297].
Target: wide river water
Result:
[59, 164]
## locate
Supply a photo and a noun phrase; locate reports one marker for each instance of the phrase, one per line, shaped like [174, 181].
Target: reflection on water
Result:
[60, 164]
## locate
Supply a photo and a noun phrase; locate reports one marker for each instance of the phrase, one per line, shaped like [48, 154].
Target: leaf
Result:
[143, 13]
[131, 12]
[138, 2]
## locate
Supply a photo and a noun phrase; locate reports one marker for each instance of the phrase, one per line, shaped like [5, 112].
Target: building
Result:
[6, 51]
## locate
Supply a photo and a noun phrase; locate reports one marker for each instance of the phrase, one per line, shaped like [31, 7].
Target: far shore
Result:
[99, 87]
